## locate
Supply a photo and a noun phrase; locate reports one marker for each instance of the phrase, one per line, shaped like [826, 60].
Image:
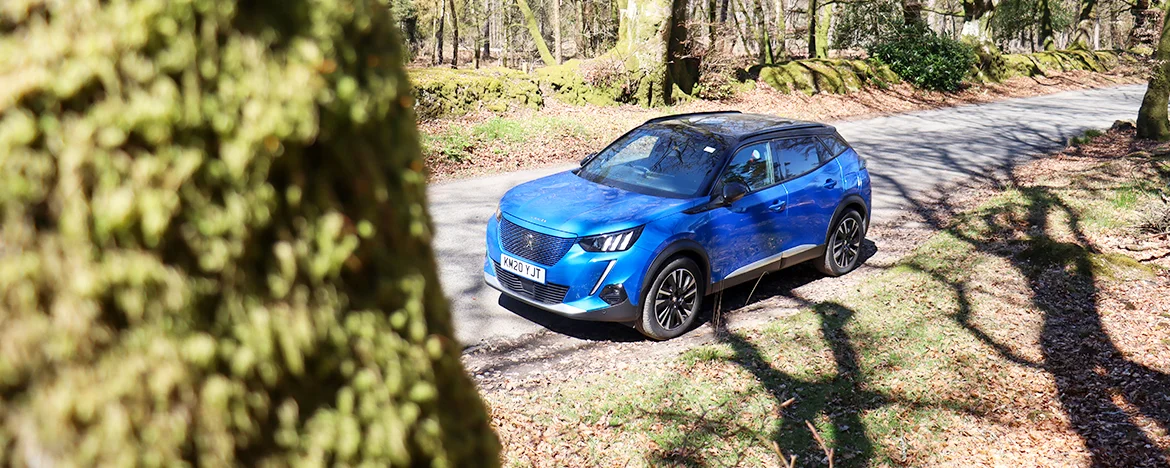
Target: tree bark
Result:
[651, 35]
[534, 31]
[1083, 36]
[454, 34]
[1046, 35]
[780, 52]
[819, 16]
[912, 13]
[438, 31]
[977, 20]
[580, 28]
[486, 32]
[712, 5]
[1152, 121]
[762, 39]
[260, 293]
[556, 19]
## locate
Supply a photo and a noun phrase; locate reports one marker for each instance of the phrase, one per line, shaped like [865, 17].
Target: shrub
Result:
[214, 248]
[926, 59]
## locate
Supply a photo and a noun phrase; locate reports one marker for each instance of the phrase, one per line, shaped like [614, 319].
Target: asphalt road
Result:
[909, 154]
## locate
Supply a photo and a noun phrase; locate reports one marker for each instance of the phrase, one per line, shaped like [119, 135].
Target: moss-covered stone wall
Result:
[443, 91]
[811, 76]
[994, 68]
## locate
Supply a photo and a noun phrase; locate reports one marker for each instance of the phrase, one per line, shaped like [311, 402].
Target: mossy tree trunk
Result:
[219, 253]
[1086, 18]
[820, 14]
[534, 31]
[1046, 38]
[762, 39]
[781, 34]
[441, 18]
[1152, 121]
[650, 35]
[912, 13]
[977, 20]
[454, 33]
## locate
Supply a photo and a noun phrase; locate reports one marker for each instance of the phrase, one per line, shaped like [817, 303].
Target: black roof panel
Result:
[735, 124]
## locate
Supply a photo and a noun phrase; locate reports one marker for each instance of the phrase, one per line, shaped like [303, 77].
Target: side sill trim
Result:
[780, 256]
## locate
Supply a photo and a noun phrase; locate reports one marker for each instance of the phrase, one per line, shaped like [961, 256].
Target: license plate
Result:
[526, 270]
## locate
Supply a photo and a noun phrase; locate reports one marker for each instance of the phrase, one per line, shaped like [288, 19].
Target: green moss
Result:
[216, 249]
[445, 92]
[820, 75]
[1005, 66]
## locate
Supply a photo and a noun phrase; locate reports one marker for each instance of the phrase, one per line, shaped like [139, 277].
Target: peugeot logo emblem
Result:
[529, 240]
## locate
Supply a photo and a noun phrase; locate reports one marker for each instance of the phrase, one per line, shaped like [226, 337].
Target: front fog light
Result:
[612, 242]
[613, 294]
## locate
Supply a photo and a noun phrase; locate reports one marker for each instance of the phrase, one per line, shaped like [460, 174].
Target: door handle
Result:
[778, 206]
[830, 183]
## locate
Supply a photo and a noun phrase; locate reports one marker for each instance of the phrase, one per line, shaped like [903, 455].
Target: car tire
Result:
[673, 300]
[843, 250]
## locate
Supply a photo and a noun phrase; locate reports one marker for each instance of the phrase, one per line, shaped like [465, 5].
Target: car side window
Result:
[795, 157]
[835, 145]
[751, 165]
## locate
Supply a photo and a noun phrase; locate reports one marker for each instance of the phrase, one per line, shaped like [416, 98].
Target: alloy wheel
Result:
[675, 298]
[847, 243]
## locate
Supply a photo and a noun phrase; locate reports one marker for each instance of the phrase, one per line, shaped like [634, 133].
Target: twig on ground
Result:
[753, 291]
[825, 448]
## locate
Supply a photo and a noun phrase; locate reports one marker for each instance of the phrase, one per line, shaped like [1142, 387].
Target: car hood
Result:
[567, 203]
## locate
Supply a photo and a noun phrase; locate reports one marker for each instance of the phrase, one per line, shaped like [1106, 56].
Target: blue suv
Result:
[678, 208]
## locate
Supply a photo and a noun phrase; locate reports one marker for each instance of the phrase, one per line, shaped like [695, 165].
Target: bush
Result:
[926, 59]
[214, 248]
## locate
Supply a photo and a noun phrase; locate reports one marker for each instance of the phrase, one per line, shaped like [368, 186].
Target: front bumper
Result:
[580, 278]
[622, 312]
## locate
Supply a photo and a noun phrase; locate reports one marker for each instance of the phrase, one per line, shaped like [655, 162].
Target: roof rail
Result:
[690, 114]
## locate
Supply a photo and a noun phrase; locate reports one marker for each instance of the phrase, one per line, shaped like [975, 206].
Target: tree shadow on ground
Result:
[834, 402]
[1100, 390]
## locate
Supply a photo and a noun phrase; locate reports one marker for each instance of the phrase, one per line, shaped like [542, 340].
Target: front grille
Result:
[538, 247]
[543, 293]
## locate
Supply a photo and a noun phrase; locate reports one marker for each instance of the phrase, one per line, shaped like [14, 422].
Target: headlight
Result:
[499, 214]
[612, 242]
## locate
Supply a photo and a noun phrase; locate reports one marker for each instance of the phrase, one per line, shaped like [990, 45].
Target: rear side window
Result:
[752, 165]
[835, 145]
[795, 157]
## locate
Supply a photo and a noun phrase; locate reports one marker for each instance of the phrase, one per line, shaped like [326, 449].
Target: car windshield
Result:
[658, 160]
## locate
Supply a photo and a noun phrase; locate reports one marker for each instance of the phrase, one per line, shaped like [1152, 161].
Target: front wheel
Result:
[843, 251]
[671, 303]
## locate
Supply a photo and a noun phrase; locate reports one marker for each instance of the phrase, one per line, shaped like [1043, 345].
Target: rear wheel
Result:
[672, 301]
[843, 251]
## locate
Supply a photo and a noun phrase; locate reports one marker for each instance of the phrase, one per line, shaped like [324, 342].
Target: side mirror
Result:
[588, 158]
[733, 191]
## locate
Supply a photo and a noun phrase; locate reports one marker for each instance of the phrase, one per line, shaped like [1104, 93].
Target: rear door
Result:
[814, 185]
[746, 232]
